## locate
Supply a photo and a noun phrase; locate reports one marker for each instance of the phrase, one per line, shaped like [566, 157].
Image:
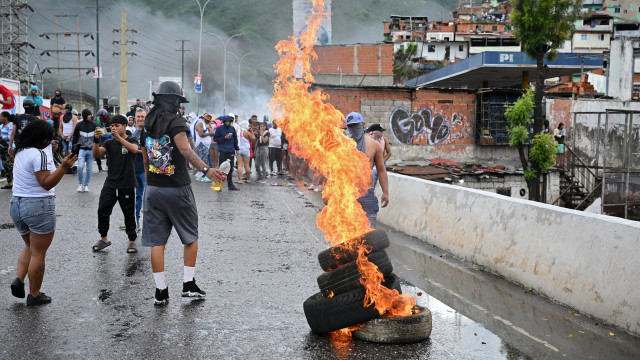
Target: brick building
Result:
[354, 65]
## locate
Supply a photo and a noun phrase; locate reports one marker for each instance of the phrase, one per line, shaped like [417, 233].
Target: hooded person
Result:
[84, 135]
[227, 140]
[168, 199]
[34, 94]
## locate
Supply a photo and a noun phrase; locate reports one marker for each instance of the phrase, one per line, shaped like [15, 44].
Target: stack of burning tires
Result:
[340, 302]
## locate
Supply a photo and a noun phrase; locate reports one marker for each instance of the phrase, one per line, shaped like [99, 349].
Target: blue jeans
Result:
[85, 158]
[140, 178]
[66, 146]
[369, 203]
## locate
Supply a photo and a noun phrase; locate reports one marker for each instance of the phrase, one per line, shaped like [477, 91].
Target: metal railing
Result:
[583, 181]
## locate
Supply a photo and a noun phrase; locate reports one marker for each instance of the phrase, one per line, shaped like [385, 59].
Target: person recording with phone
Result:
[33, 205]
[120, 184]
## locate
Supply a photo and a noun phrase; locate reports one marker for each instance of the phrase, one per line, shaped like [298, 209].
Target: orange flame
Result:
[313, 129]
[387, 301]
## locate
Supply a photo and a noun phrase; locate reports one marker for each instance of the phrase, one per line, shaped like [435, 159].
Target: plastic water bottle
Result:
[225, 167]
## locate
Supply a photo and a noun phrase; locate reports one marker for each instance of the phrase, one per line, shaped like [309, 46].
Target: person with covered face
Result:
[67, 128]
[34, 94]
[375, 131]
[227, 140]
[84, 135]
[57, 103]
[374, 152]
[168, 201]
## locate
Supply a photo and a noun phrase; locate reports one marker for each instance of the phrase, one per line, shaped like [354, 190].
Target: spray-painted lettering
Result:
[422, 127]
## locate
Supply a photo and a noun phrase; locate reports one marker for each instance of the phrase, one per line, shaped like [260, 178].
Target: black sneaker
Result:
[190, 289]
[162, 297]
[17, 288]
[233, 188]
[38, 300]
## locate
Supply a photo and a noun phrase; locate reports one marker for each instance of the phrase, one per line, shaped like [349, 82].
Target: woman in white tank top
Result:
[245, 136]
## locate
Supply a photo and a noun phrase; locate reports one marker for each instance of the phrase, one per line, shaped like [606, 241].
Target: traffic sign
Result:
[198, 88]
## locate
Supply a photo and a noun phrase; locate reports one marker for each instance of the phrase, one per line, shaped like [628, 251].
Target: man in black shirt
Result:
[168, 199]
[120, 183]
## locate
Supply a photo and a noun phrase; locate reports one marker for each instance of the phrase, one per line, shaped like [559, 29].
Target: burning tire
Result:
[330, 314]
[347, 278]
[336, 256]
[397, 330]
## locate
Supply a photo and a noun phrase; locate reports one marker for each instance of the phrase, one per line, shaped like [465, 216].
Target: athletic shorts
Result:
[166, 208]
[275, 154]
[33, 214]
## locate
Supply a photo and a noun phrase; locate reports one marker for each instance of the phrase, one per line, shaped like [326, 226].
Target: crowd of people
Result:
[151, 153]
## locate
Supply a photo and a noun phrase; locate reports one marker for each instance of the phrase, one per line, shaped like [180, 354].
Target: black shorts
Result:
[275, 154]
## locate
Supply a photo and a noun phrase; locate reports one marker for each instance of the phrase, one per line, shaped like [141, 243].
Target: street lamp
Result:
[199, 52]
[240, 69]
[224, 72]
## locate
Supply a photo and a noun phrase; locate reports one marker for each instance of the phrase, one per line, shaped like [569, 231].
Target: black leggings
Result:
[222, 157]
[127, 199]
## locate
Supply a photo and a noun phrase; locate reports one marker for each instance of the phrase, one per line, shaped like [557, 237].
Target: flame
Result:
[387, 301]
[313, 129]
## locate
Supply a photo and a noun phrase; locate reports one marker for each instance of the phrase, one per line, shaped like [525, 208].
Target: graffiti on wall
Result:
[421, 127]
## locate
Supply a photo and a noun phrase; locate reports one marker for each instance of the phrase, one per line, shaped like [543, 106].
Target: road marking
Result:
[292, 213]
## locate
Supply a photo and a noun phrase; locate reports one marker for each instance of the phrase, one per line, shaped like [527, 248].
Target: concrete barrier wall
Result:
[587, 261]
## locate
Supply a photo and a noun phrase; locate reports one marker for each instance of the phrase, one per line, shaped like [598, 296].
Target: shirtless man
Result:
[373, 150]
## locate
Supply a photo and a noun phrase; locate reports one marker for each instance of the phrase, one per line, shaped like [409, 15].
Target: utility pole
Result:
[78, 41]
[182, 50]
[123, 60]
[58, 51]
[98, 57]
[15, 59]
[98, 72]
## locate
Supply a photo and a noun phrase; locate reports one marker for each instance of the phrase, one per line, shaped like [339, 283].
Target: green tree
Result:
[402, 70]
[541, 27]
[542, 151]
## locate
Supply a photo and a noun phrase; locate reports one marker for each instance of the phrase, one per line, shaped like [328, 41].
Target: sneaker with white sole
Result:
[80, 188]
[162, 297]
[85, 188]
[190, 289]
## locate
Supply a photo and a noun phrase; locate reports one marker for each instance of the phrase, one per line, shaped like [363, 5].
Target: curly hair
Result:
[37, 134]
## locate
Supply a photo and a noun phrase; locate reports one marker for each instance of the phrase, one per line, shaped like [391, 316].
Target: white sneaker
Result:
[85, 188]
[80, 188]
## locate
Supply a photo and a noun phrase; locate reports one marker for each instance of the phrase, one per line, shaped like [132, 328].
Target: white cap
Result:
[231, 114]
[244, 125]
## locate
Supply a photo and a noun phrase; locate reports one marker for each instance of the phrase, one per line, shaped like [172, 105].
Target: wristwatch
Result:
[205, 169]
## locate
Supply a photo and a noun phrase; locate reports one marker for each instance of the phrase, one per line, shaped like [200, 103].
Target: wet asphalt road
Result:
[257, 262]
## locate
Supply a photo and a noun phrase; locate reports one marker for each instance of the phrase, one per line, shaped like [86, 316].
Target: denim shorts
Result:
[245, 153]
[37, 214]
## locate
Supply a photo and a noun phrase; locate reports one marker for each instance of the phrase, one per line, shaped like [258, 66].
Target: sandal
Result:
[7, 187]
[100, 245]
[238, 181]
[132, 248]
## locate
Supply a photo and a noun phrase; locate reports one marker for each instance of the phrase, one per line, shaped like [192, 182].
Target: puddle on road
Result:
[462, 337]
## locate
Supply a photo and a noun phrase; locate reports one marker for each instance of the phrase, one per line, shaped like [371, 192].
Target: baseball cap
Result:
[354, 118]
[375, 127]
